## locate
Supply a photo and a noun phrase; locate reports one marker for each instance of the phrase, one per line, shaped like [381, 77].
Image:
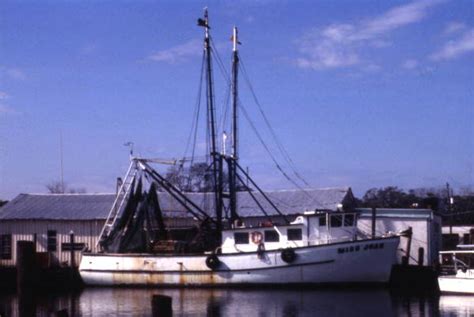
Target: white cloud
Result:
[455, 48]
[179, 53]
[339, 45]
[453, 27]
[410, 64]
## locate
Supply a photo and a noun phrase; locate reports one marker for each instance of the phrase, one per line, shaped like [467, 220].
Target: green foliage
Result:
[394, 197]
[460, 212]
[197, 178]
[389, 197]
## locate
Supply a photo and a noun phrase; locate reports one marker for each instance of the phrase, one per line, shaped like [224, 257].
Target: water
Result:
[245, 303]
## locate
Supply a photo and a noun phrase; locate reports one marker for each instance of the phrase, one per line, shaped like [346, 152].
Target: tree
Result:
[389, 197]
[197, 178]
[3, 202]
[57, 187]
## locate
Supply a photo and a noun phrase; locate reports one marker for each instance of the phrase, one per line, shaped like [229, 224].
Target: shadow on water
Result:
[36, 303]
[225, 302]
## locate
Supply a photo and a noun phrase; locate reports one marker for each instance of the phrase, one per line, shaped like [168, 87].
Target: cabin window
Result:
[271, 236]
[466, 238]
[295, 234]
[348, 220]
[322, 221]
[5, 246]
[241, 238]
[336, 221]
[52, 240]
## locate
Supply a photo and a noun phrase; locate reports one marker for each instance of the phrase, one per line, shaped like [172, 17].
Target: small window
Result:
[5, 246]
[322, 221]
[271, 236]
[465, 238]
[348, 220]
[295, 234]
[336, 221]
[241, 238]
[52, 240]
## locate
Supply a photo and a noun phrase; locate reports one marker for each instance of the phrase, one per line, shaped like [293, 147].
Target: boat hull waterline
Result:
[363, 261]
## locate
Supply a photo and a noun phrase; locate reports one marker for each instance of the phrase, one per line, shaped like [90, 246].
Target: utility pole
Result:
[448, 201]
[62, 160]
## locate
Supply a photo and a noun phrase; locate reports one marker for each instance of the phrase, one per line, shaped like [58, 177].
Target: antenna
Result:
[130, 146]
[61, 160]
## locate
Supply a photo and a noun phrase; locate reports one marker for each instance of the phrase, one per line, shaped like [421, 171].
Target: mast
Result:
[216, 161]
[234, 159]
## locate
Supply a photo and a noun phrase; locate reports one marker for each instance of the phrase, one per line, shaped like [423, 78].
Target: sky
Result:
[359, 93]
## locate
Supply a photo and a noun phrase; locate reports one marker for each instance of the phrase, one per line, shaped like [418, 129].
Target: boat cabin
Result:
[311, 228]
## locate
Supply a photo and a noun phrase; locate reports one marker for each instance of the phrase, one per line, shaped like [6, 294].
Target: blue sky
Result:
[361, 93]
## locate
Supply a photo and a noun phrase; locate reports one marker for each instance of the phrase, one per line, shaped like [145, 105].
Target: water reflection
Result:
[457, 305]
[246, 303]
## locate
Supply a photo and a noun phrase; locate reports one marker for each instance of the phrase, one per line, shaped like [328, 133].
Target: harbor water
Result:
[236, 302]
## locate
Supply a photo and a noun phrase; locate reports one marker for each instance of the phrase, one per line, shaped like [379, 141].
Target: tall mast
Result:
[235, 137]
[235, 68]
[216, 166]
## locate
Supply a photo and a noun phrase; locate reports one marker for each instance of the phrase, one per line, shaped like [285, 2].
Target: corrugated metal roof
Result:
[287, 201]
[58, 206]
[97, 206]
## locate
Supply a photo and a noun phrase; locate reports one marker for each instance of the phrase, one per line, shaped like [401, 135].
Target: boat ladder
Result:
[119, 202]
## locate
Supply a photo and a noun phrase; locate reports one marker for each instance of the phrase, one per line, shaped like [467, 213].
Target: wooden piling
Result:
[25, 264]
[161, 306]
[35, 240]
[71, 242]
[421, 256]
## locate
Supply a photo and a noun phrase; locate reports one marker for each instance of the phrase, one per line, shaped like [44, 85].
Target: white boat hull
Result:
[364, 261]
[456, 284]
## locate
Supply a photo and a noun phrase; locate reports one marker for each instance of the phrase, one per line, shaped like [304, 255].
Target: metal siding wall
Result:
[86, 232]
[419, 238]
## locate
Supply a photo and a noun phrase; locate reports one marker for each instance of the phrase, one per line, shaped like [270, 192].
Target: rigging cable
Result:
[225, 106]
[252, 125]
[281, 148]
[283, 151]
[194, 125]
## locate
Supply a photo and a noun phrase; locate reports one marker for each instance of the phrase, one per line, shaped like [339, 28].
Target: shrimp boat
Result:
[136, 248]
[460, 272]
